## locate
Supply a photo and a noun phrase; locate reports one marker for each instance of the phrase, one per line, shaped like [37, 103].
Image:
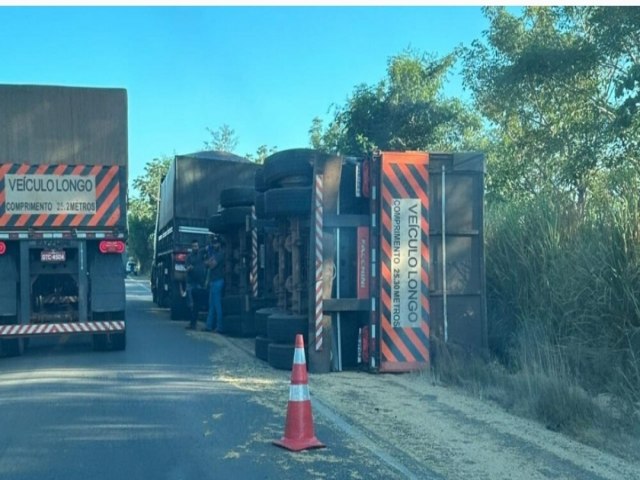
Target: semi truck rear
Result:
[63, 199]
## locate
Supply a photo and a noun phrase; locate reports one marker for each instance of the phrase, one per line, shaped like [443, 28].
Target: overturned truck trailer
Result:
[374, 258]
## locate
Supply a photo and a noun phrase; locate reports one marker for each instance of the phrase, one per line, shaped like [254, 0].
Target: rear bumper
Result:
[43, 329]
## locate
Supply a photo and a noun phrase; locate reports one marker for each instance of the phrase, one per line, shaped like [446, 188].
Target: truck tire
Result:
[289, 167]
[261, 315]
[154, 295]
[237, 197]
[100, 342]
[119, 340]
[217, 224]
[178, 306]
[280, 355]
[259, 181]
[232, 325]
[161, 294]
[235, 217]
[258, 303]
[283, 328]
[262, 348]
[259, 202]
[248, 325]
[234, 304]
[286, 202]
[12, 347]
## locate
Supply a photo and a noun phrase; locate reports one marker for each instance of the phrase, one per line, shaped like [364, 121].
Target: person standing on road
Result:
[215, 262]
[196, 273]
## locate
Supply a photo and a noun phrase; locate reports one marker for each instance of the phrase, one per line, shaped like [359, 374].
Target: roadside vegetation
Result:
[555, 93]
[561, 88]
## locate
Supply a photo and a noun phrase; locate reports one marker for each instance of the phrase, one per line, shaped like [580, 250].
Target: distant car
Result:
[131, 268]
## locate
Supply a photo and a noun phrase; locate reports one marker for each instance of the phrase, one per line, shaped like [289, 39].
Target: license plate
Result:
[53, 256]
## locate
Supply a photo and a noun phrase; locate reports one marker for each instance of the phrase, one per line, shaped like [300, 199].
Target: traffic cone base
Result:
[299, 433]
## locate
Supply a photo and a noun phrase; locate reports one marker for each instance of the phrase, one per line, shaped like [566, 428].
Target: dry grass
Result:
[544, 389]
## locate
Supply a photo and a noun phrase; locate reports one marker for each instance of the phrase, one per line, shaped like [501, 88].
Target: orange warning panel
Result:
[61, 196]
[404, 262]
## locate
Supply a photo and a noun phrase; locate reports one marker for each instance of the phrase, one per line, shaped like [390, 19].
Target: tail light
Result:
[181, 257]
[3, 248]
[111, 246]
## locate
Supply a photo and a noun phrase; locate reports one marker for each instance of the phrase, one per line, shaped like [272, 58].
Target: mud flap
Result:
[8, 286]
[107, 284]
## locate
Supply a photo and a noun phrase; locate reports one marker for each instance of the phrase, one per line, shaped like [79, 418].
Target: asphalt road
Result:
[162, 409]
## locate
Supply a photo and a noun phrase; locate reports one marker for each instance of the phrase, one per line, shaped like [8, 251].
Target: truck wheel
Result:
[258, 303]
[235, 216]
[232, 325]
[262, 348]
[12, 347]
[261, 315]
[280, 355]
[119, 340]
[259, 181]
[283, 328]
[285, 202]
[217, 224]
[234, 304]
[100, 342]
[248, 325]
[289, 167]
[260, 210]
[178, 307]
[162, 299]
[237, 197]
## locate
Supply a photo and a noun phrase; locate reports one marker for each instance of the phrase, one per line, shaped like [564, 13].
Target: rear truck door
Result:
[400, 258]
[65, 225]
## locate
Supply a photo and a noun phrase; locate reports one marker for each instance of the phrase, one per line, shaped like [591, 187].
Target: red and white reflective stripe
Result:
[319, 260]
[253, 277]
[61, 328]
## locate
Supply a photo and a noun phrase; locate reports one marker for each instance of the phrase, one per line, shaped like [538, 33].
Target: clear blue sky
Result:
[264, 71]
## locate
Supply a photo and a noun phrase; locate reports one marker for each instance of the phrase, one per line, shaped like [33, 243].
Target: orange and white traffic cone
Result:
[298, 430]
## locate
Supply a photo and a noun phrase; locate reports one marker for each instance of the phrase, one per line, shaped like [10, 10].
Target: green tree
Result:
[405, 111]
[143, 208]
[559, 85]
[263, 152]
[223, 139]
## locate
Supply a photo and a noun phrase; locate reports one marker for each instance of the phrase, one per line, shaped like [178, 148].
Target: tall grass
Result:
[563, 290]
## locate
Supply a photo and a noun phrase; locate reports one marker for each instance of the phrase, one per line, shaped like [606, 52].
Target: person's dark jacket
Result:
[197, 274]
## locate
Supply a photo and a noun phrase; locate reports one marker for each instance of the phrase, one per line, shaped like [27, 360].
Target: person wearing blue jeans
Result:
[196, 273]
[215, 263]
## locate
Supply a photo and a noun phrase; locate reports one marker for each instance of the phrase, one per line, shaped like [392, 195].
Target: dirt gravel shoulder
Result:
[449, 434]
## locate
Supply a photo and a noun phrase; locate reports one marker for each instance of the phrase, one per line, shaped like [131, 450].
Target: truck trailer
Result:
[63, 213]
[378, 260]
[189, 196]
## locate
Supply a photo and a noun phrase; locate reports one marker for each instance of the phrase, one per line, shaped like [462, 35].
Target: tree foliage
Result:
[560, 87]
[143, 208]
[262, 152]
[404, 111]
[223, 139]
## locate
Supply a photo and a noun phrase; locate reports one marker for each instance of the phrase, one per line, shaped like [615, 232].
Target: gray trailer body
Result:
[63, 196]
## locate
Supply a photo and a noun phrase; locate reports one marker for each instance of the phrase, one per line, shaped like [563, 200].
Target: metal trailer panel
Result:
[322, 253]
[458, 293]
[44, 197]
[63, 125]
[50, 133]
[403, 321]
[191, 189]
